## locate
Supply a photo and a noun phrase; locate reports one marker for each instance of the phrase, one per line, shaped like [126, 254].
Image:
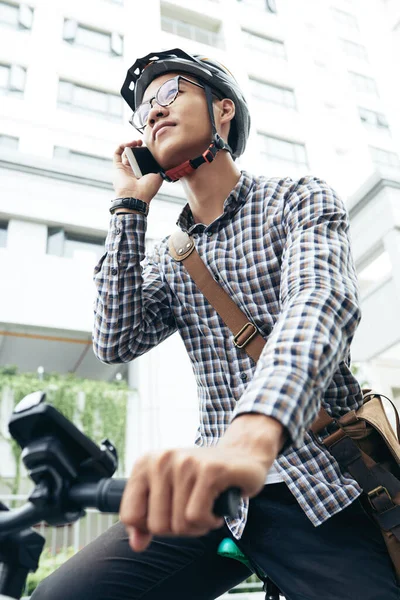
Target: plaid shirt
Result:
[281, 250]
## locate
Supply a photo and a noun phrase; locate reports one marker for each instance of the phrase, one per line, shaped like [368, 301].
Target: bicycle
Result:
[70, 473]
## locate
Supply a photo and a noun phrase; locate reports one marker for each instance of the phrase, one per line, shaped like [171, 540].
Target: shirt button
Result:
[243, 376]
[209, 233]
[117, 231]
[216, 277]
[114, 271]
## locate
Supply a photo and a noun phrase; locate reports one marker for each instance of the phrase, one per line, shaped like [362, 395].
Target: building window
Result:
[89, 100]
[210, 37]
[3, 234]
[17, 17]
[80, 35]
[372, 118]
[269, 5]
[8, 141]
[374, 272]
[81, 157]
[269, 92]
[275, 148]
[384, 157]
[12, 80]
[363, 84]
[264, 45]
[354, 50]
[76, 246]
[345, 18]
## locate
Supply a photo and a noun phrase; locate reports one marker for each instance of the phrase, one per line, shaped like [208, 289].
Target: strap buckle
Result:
[376, 492]
[176, 173]
[248, 335]
[208, 155]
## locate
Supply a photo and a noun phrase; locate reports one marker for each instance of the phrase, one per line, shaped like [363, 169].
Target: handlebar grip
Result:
[109, 494]
[106, 495]
[227, 504]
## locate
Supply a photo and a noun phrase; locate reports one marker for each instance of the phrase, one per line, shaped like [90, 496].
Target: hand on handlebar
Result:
[173, 492]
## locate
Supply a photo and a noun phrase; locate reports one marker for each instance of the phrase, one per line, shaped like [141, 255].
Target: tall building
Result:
[322, 88]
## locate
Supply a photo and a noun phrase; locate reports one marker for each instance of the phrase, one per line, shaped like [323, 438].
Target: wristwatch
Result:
[130, 203]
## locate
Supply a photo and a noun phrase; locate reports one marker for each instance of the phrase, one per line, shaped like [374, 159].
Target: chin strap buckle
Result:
[189, 166]
[208, 155]
[177, 172]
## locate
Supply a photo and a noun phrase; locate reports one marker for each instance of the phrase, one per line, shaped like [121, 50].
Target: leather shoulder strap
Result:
[180, 245]
[245, 333]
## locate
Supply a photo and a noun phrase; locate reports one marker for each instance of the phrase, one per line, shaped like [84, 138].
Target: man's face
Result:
[180, 131]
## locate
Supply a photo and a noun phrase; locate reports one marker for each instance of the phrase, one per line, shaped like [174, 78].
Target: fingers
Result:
[172, 493]
[119, 152]
[172, 484]
[190, 514]
[160, 497]
[134, 506]
[138, 540]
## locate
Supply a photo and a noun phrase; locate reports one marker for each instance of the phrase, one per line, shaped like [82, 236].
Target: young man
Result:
[280, 248]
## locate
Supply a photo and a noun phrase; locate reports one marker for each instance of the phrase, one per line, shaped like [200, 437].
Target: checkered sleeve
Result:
[131, 308]
[319, 311]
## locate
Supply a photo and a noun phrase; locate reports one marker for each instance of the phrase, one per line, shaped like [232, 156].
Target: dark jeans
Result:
[342, 559]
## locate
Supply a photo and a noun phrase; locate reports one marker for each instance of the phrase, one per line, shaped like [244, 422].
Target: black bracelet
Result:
[130, 203]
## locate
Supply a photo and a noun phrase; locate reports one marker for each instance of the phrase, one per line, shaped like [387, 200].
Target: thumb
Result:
[138, 540]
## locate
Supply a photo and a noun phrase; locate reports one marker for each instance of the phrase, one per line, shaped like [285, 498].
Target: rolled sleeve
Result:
[319, 311]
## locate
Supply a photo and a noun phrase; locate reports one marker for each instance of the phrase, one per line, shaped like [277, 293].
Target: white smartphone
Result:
[141, 161]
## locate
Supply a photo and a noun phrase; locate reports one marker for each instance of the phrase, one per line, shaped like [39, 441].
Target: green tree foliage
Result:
[96, 407]
[47, 564]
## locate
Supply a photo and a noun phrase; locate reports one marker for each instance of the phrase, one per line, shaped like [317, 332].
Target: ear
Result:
[226, 110]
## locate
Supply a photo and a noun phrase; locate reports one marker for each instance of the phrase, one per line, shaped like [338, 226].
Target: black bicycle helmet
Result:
[206, 70]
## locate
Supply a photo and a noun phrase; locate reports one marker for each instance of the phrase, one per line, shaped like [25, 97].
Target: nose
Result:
[156, 111]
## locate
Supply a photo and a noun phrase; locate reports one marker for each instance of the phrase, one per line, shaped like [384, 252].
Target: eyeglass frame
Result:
[150, 101]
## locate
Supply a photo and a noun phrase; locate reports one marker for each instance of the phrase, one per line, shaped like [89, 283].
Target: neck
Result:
[208, 187]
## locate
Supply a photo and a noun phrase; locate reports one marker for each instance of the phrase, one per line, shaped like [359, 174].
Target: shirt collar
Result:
[232, 204]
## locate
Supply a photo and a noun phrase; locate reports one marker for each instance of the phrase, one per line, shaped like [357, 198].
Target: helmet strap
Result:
[208, 156]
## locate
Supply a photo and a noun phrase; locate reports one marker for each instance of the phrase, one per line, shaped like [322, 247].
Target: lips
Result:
[161, 126]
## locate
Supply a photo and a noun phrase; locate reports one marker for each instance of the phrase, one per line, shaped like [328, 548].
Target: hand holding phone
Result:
[136, 172]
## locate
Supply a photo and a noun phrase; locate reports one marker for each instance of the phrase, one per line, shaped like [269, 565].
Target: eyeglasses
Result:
[165, 95]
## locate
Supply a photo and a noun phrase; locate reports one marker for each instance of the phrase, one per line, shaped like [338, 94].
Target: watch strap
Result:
[130, 203]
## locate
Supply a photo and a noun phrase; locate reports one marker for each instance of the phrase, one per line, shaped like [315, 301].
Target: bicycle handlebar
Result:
[104, 495]
[107, 493]
[57, 455]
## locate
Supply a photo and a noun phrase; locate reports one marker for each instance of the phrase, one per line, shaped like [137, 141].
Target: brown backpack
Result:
[364, 442]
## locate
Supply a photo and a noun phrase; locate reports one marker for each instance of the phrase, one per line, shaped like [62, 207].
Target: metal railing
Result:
[192, 32]
[75, 535]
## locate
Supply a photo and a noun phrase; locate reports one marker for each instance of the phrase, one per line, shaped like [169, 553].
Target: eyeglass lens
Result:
[165, 95]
